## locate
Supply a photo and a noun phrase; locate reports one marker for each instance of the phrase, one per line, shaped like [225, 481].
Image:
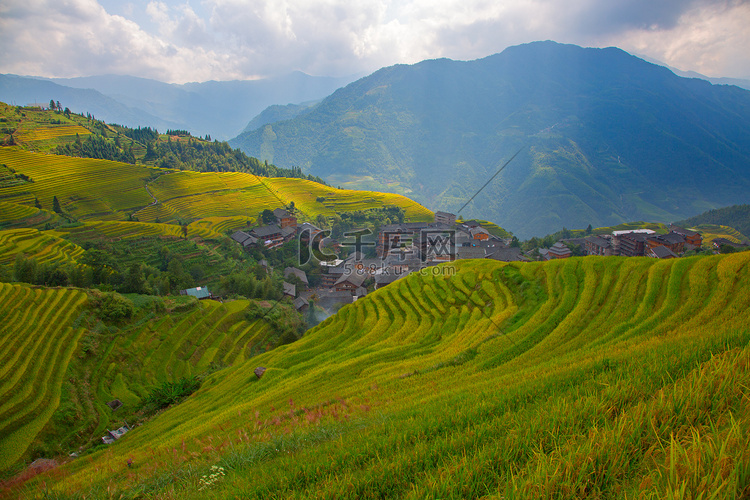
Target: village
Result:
[352, 267]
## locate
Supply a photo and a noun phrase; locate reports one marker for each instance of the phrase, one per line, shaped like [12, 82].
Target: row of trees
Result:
[98, 269]
[95, 146]
[203, 156]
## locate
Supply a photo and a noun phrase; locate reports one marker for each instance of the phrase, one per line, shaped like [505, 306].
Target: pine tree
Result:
[56, 205]
[37, 204]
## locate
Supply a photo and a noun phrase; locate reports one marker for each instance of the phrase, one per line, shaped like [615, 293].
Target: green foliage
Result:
[110, 306]
[169, 393]
[96, 146]
[267, 217]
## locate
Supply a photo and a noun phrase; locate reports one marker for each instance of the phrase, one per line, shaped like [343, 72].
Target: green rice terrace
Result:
[61, 363]
[94, 189]
[585, 377]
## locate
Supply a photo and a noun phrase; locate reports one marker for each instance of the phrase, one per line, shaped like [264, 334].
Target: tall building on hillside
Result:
[445, 218]
[284, 218]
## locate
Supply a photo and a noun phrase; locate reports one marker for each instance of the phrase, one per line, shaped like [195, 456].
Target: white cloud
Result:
[711, 40]
[222, 39]
[78, 37]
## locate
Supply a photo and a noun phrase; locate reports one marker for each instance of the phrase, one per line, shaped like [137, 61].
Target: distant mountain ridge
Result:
[605, 138]
[18, 90]
[220, 109]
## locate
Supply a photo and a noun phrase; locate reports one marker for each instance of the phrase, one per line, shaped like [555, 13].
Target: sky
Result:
[180, 41]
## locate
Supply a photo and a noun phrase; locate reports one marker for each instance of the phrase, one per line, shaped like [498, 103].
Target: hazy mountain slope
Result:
[595, 377]
[21, 91]
[277, 113]
[604, 137]
[221, 109]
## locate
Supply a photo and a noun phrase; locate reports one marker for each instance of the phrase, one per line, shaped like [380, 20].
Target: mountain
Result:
[277, 113]
[220, 109]
[20, 90]
[604, 138]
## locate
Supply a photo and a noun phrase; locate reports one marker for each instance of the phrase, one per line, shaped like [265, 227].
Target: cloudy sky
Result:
[197, 40]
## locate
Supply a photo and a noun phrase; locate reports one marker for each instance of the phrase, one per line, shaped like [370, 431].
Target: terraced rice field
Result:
[91, 189]
[713, 231]
[11, 212]
[596, 377]
[304, 194]
[247, 202]
[193, 195]
[38, 337]
[13, 215]
[223, 225]
[52, 132]
[40, 330]
[45, 247]
[123, 230]
[86, 188]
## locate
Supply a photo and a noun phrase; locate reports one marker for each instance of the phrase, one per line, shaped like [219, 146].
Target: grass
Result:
[596, 377]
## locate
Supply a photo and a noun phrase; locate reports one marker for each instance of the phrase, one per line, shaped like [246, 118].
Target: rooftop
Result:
[264, 231]
[200, 292]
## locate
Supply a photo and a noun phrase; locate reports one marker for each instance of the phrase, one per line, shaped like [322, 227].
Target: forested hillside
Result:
[61, 132]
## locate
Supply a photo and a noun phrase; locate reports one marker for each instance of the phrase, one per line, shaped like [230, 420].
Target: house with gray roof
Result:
[299, 273]
[289, 289]
[598, 245]
[268, 236]
[660, 252]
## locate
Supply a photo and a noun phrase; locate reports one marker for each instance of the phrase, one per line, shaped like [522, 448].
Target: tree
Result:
[56, 205]
[589, 229]
[59, 107]
[184, 231]
[37, 204]
[135, 281]
[268, 217]
[52, 104]
[101, 263]
[25, 269]
[150, 152]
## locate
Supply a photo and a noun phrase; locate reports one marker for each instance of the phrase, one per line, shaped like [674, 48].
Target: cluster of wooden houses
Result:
[272, 235]
[403, 248]
[632, 243]
[400, 249]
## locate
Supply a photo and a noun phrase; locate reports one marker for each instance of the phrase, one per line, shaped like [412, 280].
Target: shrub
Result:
[169, 393]
[111, 306]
